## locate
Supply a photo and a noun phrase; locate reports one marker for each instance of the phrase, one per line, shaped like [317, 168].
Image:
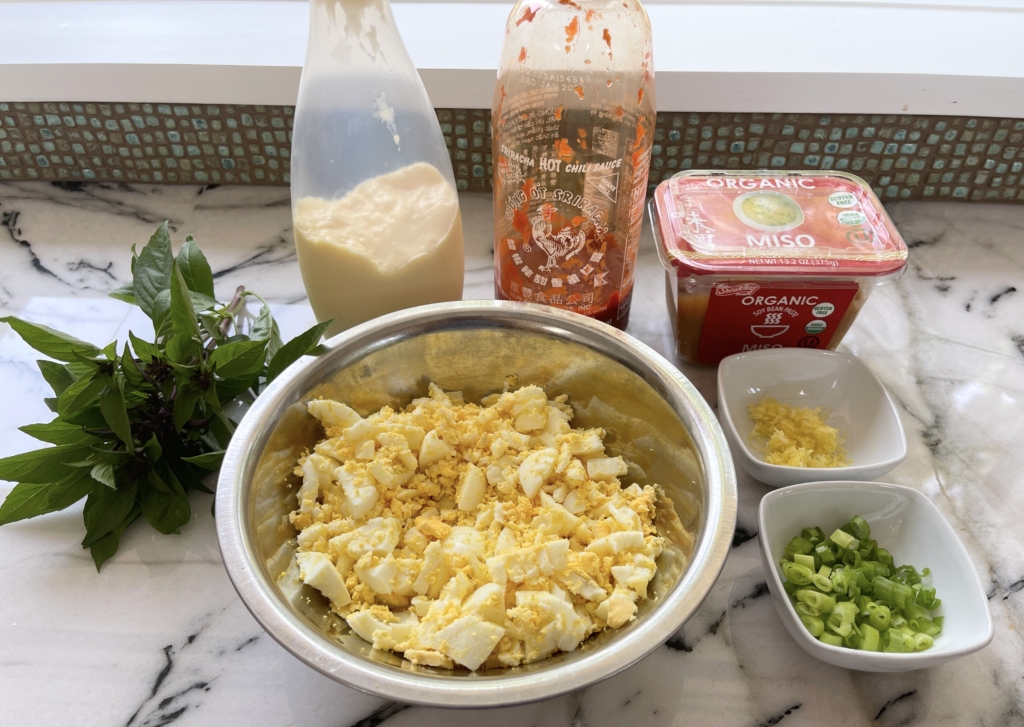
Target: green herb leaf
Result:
[208, 461]
[116, 415]
[241, 359]
[126, 293]
[57, 375]
[195, 269]
[152, 274]
[183, 318]
[265, 329]
[185, 405]
[166, 511]
[110, 456]
[130, 369]
[161, 314]
[106, 507]
[79, 394]
[212, 397]
[187, 476]
[50, 342]
[104, 548]
[88, 417]
[296, 349]
[104, 473]
[30, 500]
[222, 428]
[58, 432]
[153, 449]
[43, 465]
[202, 302]
[143, 349]
[183, 349]
[167, 393]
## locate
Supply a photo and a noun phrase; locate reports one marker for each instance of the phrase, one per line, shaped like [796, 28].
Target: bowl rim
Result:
[875, 469]
[705, 564]
[837, 654]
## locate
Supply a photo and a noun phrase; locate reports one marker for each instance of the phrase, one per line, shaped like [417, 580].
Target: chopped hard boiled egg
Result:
[478, 536]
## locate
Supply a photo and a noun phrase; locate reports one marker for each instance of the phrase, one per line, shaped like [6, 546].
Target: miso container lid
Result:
[821, 224]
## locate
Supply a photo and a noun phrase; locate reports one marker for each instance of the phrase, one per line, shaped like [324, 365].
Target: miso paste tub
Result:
[770, 259]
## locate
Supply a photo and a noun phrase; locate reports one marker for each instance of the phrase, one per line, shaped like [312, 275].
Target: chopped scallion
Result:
[848, 592]
[831, 639]
[844, 540]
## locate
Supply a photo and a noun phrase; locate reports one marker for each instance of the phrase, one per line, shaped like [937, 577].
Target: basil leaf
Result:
[296, 349]
[126, 293]
[130, 369]
[30, 500]
[185, 405]
[56, 375]
[153, 449]
[262, 327]
[104, 474]
[143, 349]
[186, 474]
[161, 314]
[116, 415]
[208, 461]
[222, 428]
[194, 268]
[79, 394]
[183, 318]
[43, 465]
[166, 511]
[104, 548]
[108, 456]
[231, 388]
[88, 417]
[202, 302]
[152, 274]
[49, 342]
[182, 347]
[57, 432]
[265, 328]
[105, 508]
[212, 397]
[157, 482]
[241, 359]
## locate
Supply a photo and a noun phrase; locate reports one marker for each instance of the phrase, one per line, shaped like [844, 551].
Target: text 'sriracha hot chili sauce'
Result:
[763, 259]
[572, 124]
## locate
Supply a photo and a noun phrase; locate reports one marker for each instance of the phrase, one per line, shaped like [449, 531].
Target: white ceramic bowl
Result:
[858, 405]
[909, 526]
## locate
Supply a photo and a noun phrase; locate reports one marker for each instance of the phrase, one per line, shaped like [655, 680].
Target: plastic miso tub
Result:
[770, 259]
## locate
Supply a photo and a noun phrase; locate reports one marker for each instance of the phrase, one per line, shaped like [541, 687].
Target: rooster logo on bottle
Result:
[565, 244]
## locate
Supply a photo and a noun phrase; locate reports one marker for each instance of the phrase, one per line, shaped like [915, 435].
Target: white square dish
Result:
[857, 405]
[912, 529]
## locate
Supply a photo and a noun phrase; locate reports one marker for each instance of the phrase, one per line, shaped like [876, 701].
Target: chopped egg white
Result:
[479, 536]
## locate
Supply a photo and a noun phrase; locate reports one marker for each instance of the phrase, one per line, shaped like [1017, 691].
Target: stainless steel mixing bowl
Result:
[653, 417]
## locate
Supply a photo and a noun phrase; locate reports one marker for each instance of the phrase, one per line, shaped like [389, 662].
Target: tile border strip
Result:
[901, 156]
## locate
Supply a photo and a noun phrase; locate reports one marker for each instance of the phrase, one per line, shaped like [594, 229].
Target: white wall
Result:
[832, 56]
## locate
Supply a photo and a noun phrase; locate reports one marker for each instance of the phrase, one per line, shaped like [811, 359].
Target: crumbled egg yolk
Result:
[489, 535]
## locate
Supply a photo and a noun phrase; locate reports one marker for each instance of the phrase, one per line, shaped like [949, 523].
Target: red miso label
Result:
[746, 316]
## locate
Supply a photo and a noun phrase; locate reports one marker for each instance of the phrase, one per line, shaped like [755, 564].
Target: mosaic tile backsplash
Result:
[902, 157]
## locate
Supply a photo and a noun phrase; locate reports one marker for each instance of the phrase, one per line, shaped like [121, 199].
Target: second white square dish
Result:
[855, 401]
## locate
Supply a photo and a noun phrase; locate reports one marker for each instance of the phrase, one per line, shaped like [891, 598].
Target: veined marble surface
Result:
[160, 635]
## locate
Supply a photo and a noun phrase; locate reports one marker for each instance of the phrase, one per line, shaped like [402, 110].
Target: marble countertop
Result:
[160, 636]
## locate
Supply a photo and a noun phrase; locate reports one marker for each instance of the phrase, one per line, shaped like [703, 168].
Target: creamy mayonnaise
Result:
[393, 242]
